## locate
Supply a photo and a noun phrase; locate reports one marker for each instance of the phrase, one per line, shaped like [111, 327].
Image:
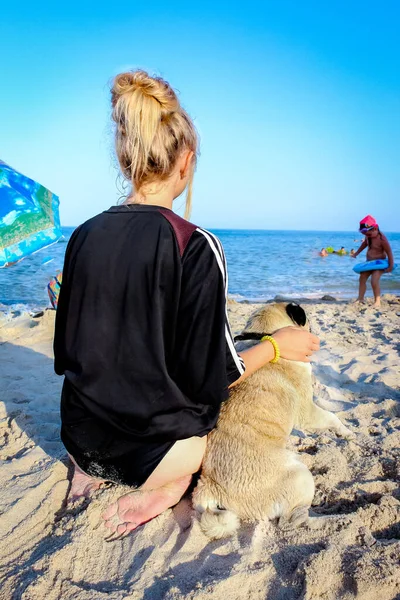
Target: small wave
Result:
[10, 311]
[291, 295]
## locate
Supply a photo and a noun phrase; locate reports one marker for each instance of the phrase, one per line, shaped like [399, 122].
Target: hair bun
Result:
[152, 130]
[152, 87]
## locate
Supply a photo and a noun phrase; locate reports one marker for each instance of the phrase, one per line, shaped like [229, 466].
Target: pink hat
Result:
[367, 223]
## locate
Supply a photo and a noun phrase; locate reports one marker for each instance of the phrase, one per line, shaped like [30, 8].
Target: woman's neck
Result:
[154, 200]
[157, 195]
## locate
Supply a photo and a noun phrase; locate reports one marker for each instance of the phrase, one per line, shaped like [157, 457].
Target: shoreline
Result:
[15, 309]
[260, 265]
[350, 550]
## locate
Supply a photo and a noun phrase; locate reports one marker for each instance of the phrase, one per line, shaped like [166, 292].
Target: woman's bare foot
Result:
[82, 485]
[377, 304]
[138, 507]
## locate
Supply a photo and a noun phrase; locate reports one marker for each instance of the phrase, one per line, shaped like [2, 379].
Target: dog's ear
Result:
[296, 313]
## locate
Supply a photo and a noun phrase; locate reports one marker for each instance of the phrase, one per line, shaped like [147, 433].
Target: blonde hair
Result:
[152, 130]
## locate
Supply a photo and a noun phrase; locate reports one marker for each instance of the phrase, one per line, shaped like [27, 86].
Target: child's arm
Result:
[361, 248]
[388, 250]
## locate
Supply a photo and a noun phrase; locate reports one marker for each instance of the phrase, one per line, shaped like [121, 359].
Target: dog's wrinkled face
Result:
[272, 317]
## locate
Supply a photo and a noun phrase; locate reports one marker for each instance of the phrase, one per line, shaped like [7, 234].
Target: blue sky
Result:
[297, 104]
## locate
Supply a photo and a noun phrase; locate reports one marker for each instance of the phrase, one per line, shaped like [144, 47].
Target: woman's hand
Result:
[296, 344]
[388, 270]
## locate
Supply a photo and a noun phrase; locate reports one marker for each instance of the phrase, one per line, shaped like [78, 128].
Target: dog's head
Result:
[272, 317]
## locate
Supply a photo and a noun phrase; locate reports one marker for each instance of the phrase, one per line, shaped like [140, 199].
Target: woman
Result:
[142, 335]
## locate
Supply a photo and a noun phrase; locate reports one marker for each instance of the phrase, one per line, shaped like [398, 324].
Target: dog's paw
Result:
[346, 433]
[299, 516]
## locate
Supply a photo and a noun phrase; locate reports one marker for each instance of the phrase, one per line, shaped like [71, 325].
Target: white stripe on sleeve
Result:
[216, 247]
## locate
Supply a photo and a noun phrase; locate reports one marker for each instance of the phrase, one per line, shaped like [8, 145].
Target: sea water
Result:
[261, 265]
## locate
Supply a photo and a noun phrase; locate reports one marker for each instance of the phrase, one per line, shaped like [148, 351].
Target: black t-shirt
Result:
[142, 334]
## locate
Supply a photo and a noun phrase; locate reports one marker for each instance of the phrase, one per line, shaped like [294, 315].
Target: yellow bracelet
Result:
[269, 338]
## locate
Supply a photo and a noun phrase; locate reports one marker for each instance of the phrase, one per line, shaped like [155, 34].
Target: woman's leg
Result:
[163, 489]
[362, 288]
[376, 288]
[82, 484]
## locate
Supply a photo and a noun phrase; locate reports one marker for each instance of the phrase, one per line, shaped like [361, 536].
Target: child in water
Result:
[378, 248]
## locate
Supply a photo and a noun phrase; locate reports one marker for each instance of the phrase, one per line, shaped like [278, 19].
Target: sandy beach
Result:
[52, 551]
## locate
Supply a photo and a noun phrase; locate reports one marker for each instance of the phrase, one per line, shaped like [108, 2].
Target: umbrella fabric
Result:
[29, 216]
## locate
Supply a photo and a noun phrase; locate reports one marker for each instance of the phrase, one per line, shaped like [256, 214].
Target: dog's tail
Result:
[219, 522]
[216, 519]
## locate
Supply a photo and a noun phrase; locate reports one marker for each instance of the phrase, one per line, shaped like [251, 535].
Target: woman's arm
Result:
[62, 309]
[361, 248]
[207, 361]
[294, 344]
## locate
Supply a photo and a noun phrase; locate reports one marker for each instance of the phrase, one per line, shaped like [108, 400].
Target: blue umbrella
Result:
[29, 216]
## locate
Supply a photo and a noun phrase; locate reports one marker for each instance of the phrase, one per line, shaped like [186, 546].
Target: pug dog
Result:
[247, 472]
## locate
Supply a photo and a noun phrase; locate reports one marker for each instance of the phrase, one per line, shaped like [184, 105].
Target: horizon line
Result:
[277, 229]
